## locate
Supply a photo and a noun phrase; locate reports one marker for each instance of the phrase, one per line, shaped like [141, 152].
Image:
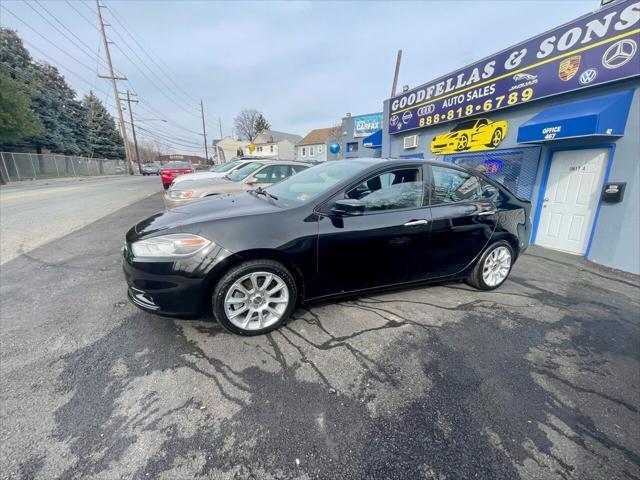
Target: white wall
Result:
[319, 153]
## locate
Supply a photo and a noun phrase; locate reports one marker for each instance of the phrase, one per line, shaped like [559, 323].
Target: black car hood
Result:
[206, 210]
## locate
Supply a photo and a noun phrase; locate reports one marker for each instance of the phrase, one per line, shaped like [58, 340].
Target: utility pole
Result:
[133, 130]
[220, 125]
[204, 132]
[113, 78]
[395, 76]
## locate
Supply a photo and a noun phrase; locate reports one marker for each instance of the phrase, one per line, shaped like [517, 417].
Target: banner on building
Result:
[595, 49]
[365, 125]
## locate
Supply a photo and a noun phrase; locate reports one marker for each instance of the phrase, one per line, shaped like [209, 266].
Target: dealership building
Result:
[556, 119]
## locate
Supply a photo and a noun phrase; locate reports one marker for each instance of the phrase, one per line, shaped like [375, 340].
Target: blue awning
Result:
[374, 140]
[605, 115]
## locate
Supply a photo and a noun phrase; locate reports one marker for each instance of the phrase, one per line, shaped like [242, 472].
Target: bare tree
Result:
[249, 123]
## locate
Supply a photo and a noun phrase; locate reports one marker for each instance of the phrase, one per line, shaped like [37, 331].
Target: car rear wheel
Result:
[493, 268]
[254, 297]
[496, 138]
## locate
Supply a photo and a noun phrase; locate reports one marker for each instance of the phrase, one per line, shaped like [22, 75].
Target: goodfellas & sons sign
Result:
[598, 48]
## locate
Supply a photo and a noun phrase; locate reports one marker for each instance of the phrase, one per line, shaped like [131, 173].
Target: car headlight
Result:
[180, 194]
[172, 245]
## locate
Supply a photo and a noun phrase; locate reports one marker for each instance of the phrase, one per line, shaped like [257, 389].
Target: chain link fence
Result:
[32, 166]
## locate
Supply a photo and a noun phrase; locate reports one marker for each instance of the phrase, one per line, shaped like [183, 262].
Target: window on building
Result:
[390, 191]
[311, 151]
[319, 148]
[271, 148]
[304, 152]
[352, 147]
[260, 149]
[451, 186]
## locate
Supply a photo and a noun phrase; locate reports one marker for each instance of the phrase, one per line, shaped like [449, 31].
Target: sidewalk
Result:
[55, 181]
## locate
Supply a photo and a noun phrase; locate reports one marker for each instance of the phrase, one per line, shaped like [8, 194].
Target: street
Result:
[34, 215]
[539, 379]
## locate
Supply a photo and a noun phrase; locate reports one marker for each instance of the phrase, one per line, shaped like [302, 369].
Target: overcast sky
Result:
[303, 64]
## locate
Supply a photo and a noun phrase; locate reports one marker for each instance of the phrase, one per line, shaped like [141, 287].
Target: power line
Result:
[86, 49]
[168, 138]
[47, 40]
[152, 82]
[81, 15]
[168, 75]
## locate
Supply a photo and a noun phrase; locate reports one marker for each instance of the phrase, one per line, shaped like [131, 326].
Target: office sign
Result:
[365, 125]
[598, 48]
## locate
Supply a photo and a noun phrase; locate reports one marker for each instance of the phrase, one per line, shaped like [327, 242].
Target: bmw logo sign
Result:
[588, 76]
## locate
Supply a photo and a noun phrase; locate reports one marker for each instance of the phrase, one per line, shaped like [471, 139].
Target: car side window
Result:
[391, 190]
[272, 174]
[452, 186]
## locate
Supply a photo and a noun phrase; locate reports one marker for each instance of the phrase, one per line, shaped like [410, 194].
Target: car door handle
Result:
[488, 212]
[416, 223]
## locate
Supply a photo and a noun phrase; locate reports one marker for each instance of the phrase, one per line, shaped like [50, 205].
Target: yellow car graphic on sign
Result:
[479, 134]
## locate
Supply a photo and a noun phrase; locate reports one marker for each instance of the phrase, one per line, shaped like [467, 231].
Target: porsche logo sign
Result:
[568, 68]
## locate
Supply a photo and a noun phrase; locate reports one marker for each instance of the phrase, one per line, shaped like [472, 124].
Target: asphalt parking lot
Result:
[537, 380]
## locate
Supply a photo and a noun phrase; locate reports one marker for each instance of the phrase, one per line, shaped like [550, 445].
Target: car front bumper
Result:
[175, 288]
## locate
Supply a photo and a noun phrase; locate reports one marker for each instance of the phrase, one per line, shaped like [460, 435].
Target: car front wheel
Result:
[493, 268]
[254, 297]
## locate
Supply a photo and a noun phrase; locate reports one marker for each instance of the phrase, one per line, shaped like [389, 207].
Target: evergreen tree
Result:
[103, 138]
[15, 60]
[17, 121]
[261, 123]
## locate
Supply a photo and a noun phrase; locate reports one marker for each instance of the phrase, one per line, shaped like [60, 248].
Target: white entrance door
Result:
[571, 198]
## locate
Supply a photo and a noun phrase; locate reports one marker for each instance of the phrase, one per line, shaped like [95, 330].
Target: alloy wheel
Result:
[462, 142]
[256, 300]
[496, 266]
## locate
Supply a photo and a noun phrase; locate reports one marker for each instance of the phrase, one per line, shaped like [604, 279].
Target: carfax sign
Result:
[595, 49]
[365, 125]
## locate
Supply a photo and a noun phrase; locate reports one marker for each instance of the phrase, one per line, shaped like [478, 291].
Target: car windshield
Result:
[314, 181]
[243, 172]
[177, 165]
[225, 167]
[464, 126]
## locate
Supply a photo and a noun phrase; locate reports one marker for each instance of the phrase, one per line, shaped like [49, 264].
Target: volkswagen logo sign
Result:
[426, 110]
[407, 116]
[619, 54]
[588, 76]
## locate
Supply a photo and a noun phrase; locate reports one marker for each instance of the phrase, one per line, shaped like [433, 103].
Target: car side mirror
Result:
[348, 207]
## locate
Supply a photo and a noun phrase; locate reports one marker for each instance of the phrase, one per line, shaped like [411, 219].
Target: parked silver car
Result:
[251, 176]
[217, 171]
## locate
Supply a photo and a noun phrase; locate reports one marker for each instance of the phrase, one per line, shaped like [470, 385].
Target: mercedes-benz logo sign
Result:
[588, 76]
[619, 54]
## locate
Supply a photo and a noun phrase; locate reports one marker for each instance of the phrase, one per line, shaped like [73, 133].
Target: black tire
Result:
[475, 278]
[236, 273]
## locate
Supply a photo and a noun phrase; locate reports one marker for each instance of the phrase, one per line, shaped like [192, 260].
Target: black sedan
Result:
[339, 228]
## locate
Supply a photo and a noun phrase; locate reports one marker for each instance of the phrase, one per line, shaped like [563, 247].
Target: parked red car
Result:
[171, 170]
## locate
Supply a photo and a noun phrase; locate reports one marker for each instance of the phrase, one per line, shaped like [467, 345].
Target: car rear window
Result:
[177, 165]
[244, 172]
